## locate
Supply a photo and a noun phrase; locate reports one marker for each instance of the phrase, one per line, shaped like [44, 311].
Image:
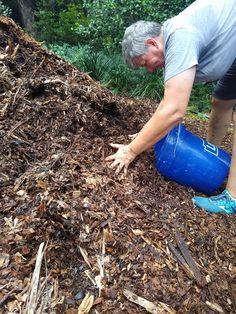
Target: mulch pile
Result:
[107, 239]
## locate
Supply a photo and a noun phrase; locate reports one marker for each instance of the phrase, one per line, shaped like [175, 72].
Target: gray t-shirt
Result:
[203, 35]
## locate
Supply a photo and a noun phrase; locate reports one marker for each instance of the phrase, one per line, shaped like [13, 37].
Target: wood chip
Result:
[150, 307]
[85, 256]
[33, 293]
[215, 307]
[186, 260]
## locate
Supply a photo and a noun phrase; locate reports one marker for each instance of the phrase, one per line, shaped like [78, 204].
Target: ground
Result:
[103, 236]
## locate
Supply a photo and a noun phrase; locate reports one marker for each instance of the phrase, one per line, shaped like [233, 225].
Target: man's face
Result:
[153, 59]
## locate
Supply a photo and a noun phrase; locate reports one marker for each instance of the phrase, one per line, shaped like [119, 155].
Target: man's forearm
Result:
[169, 113]
[155, 129]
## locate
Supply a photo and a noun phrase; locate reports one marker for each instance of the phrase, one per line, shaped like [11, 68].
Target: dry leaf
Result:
[215, 307]
[86, 304]
[137, 232]
[76, 194]
[108, 235]
[21, 193]
[42, 184]
[4, 259]
[92, 182]
[232, 268]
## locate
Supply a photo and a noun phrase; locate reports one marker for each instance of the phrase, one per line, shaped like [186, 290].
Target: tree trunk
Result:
[26, 13]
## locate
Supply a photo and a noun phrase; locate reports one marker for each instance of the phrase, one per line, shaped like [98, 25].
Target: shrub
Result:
[56, 24]
[4, 10]
[109, 18]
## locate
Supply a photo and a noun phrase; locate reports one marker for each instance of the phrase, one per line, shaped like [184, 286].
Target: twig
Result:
[215, 307]
[13, 55]
[85, 256]
[17, 126]
[56, 81]
[3, 300]
[20, 139]
[87, 273]
[4, 286]
[99, 278]
[33, 297]
[100, 261]
[216, 246]
[150, 307]
[190, 261]
[179, 258]
[14, 99]
[36, 69]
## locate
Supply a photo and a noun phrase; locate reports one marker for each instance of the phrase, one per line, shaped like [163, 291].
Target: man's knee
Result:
[216, 101]
[224, 105]
[234, 118]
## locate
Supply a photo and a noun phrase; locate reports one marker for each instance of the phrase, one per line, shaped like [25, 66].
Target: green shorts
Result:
[226, 87]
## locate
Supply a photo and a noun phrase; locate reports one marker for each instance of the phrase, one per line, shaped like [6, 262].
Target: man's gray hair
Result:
[133, 44]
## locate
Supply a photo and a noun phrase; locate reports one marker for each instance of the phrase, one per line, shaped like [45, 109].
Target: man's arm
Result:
[169, 113]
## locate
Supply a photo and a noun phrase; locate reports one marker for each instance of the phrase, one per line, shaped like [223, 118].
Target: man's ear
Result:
[151, 41]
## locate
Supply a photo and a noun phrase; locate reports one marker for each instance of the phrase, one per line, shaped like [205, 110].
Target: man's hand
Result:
[122, 158]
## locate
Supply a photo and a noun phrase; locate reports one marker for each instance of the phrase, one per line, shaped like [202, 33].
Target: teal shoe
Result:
[222, 203]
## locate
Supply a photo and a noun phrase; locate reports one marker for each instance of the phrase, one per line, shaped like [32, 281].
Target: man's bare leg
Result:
[220, 118]
[231, 184]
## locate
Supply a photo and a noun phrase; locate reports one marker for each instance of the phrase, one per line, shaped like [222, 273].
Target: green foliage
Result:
[73, 54]
[56, 22]
[96, 64]
[113, 73]
[200, 101]
[109, 18]
[4, 10]
[101, 22]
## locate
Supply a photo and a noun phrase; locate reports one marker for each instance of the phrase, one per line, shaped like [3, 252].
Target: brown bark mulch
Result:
[108, 239]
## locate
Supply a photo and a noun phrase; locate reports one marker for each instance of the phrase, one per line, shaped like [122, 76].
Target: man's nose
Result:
[150, 70]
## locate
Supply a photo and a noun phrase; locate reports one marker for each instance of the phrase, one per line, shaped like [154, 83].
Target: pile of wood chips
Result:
[75, 237]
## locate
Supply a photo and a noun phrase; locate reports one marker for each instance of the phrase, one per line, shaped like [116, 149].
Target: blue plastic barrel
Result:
[191, 161]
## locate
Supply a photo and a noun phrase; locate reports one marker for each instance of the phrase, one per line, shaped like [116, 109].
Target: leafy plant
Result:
[56, 22]
[200, 100]
[109, 18]
[100, 23]
[4, 9]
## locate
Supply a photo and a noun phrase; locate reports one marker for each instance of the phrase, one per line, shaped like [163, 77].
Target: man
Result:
[198, 45]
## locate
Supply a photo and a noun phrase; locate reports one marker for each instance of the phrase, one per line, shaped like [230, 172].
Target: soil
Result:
[103, 234]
